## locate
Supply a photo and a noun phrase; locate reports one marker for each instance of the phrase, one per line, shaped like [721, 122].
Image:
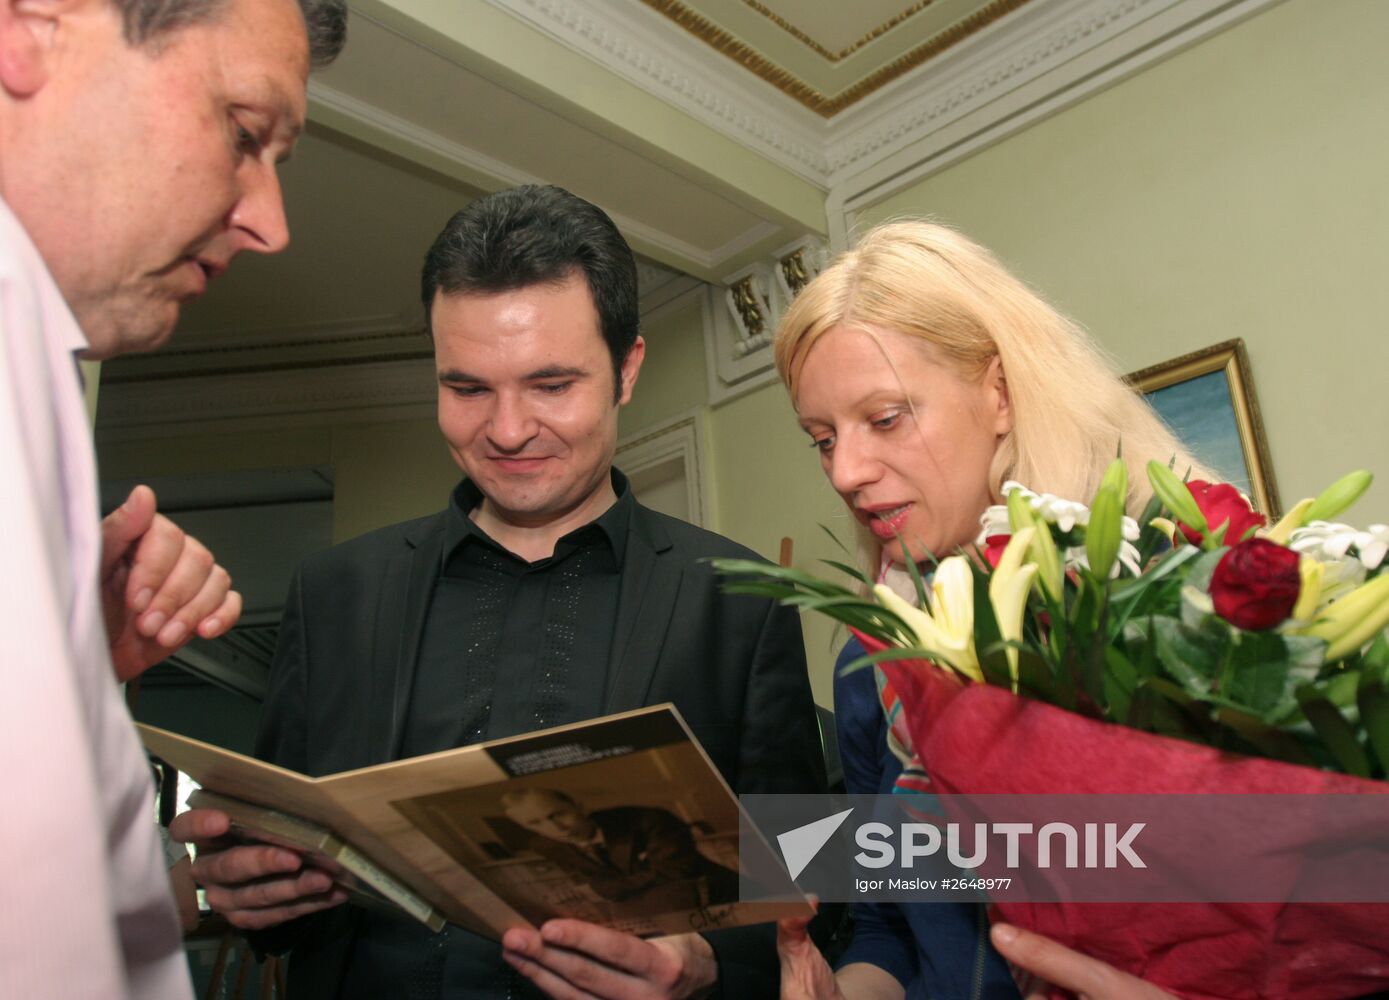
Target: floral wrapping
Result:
[982, 739]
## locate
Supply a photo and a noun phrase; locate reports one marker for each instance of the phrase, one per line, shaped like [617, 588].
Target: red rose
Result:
[993, 548]
[1221, 502]
[1256, 584]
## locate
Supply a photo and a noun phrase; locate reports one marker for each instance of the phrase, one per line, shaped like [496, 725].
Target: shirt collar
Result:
[612, 523]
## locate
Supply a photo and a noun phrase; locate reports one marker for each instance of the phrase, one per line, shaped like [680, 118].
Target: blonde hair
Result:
[1071, 410]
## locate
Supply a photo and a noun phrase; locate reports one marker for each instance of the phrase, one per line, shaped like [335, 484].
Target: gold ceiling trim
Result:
[843, 53]
[797, 89]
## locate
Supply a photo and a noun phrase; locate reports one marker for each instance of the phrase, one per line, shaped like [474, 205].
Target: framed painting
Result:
[1207, 398]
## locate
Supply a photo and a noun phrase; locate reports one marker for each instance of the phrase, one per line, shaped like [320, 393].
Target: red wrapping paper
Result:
[981, 739]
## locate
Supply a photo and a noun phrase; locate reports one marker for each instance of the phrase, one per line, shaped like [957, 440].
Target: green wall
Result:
[768, 485]
[1234, 190]
[672, 379]
[388, 472]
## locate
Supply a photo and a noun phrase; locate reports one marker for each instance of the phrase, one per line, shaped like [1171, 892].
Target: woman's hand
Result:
[1057, 965]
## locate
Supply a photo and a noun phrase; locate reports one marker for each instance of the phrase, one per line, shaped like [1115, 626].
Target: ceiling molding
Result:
[239, 351]
[1112, 41]
[784, 80]
[1039, 40]
[848, 50]
[365, 391]
[233, 338]
[637, 44]
[421, 145]
[1036, 40]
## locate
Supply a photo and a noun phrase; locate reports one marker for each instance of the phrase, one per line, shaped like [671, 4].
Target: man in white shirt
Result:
[138, 147]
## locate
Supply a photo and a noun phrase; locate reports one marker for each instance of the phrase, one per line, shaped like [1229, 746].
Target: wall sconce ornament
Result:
[754, 310]
[738, 336]
[797, 267]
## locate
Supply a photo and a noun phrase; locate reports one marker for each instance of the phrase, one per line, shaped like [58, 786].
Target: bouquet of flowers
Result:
[1194, 650]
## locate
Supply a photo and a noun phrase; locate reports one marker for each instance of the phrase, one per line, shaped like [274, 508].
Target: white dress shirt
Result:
[85, 906]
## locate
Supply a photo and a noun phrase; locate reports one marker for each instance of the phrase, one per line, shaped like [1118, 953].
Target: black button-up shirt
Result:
[508, 646]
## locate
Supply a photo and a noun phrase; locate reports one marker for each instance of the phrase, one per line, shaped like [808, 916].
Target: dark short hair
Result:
[535, 235]
[144, 21]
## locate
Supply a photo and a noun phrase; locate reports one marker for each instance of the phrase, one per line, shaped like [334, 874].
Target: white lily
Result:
[1329, 542]
[993, 521]
[1076, 556]
[946, 626]
[1008, 589]
[1065, 514]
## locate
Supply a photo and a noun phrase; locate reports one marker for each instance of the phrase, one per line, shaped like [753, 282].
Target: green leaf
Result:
[1377, 656]
[1191, 656]
[1373, 700]
[993, 661]
[1163, 707]
[1036, 677]
[1090, 639]
[767, 571]
[1268, 669]
[900, 654]
[1340, 688]
[1269, 741]
[915, 574]
[1103, 534]
[1338, 496]
[849, 571]
[1116, 476]
[1151, 540]
[1334, 731]
[838, 543]
[1202, 571]
[1175, 495]
[1134, 587]
[986, 630]
[1120, 682]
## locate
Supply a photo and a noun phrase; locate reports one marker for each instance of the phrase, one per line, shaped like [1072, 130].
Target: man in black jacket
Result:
[543, 594]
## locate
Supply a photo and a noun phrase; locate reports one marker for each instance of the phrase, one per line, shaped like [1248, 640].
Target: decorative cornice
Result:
[677, 70]
[1036, 40]
[948, 91]
[1116, 39]
[826, 105]
[849, 49]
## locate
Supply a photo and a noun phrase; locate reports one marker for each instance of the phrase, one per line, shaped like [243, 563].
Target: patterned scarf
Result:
[913, 780]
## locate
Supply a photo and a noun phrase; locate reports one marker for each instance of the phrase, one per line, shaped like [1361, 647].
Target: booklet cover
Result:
[622, 821]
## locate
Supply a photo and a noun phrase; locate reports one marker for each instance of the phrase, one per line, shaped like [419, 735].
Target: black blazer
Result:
[734, 665]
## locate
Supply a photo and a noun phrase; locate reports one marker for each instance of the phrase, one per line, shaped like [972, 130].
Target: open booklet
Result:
[621, 821]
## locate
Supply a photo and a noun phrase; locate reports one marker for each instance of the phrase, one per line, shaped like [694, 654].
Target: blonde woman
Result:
[926, 376]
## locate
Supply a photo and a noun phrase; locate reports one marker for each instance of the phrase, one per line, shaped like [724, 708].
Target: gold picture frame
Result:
[1207, 397]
